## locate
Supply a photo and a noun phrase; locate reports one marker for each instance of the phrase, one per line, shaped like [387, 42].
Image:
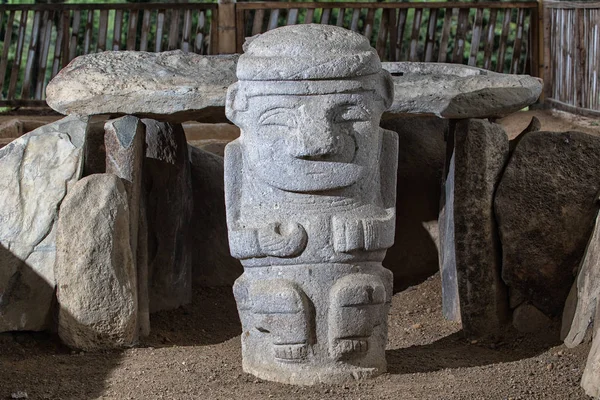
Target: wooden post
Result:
[538, 35]
[226, 27]
[547, 92]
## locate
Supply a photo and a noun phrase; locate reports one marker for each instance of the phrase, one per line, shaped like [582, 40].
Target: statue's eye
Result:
[351, 113]
[278, 117]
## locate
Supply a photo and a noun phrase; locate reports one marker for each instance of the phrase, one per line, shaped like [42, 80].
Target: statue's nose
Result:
[316, 139]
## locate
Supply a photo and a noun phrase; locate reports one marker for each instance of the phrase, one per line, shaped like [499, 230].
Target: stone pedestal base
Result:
[314, 323]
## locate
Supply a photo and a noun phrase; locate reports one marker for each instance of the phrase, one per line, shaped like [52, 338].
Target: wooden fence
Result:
[493, 35]
[38, 40]
[572, 54]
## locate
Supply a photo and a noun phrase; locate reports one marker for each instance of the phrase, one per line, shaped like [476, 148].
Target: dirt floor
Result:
[194, 352]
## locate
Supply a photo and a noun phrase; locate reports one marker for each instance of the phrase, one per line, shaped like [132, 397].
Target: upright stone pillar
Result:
[124, 142]
[310, 196]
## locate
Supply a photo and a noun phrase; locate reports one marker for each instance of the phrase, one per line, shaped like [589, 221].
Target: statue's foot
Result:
[291, 352]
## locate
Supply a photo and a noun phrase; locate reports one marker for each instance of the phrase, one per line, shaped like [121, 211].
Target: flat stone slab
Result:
[173, 85]
[455, 91]
[176, 87]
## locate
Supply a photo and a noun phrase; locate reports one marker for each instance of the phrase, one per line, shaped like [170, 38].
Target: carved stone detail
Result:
[310, 190]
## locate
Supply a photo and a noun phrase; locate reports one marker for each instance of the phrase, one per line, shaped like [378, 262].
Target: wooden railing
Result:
[38, 40]
[495, 35]
[572, 54]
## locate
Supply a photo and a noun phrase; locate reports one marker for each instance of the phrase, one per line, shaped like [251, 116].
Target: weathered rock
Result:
[175, 86]
[124, 142]
[169, 207]
[35, 171]
[310, 196]
[172, 85]
[447, 248]
[95, 269]
[414, 255]
[528, 319]
[480, 153]
[580, 307]
[590, 381]
[456, 91]
[545, 207]
[213, 264]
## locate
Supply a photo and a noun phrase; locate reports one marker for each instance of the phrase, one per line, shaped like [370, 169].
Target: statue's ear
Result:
[232, 103]
[387, 86]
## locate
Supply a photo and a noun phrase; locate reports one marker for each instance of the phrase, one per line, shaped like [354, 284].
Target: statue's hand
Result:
[282, 239]
[347, 235]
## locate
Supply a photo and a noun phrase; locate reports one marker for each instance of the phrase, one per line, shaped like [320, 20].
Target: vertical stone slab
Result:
[124, 145]
[447, 252]
[310, 193]
[209, 235]
[480, 153]
[580, 308]
[95, 269]
[590, 381]
[168, 188]
[35, 172]
[545, 205]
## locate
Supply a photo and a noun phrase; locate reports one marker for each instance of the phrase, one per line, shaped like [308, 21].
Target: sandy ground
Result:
[194, 352]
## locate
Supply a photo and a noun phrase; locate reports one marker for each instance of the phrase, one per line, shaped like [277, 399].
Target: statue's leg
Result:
[357, 306]
[277, 311]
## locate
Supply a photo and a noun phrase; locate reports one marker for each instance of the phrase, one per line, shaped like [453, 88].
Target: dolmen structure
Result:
[107, 215]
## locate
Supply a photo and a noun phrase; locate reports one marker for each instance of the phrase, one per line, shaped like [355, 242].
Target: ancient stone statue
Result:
[310, 195]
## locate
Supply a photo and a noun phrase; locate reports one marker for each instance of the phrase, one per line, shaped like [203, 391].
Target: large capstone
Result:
[545, 207]
[171, 85]
[35, 172]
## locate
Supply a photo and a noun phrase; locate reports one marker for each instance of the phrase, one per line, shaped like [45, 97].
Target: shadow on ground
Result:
[31, 363]
[453, 351]
[211, 318]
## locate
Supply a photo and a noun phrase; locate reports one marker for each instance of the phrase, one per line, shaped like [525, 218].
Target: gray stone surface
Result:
[169, 207]
[95, 269]
[545, 207]
[213, 264]
[590, 381]
[174, 85]
[310, 191]
[456, 91]
[124, 146]
[414, 255]
[447, 248]
[580, 307]
[528, 319]
[35, 171]
[470, 234]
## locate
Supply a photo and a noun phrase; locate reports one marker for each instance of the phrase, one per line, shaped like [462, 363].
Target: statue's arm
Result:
[374, 233]
[272, 239]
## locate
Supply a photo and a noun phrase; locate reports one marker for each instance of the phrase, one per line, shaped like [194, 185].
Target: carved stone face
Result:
[308, 143]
